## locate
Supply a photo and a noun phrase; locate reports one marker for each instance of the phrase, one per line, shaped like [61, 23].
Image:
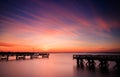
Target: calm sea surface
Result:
[57, 65]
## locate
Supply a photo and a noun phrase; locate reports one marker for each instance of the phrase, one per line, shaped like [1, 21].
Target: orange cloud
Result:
[7, 44]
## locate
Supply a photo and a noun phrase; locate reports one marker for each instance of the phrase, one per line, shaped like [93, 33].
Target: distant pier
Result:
[22, 55]
[103, 61]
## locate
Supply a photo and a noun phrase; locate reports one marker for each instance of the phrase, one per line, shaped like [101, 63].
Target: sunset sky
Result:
[59, 25]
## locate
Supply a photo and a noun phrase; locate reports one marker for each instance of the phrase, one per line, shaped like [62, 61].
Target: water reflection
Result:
[95, 72]
[58, 65]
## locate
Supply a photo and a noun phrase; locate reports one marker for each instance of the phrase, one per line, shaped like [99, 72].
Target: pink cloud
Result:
[103, 24]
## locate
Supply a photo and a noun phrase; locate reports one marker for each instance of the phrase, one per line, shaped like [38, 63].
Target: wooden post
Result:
[91, 64]
[104, 65]
[16, 57]
[77, 62]
[81, 63]
[117, 66]
[7, 57]
[23, 57]
[31, 57]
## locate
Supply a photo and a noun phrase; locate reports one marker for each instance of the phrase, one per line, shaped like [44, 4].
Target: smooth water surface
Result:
[57, 65]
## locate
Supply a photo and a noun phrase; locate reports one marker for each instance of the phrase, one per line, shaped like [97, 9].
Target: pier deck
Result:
[22, 55]
[98, 57]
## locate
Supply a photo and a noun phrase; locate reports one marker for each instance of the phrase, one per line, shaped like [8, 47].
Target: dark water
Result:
[57, 65]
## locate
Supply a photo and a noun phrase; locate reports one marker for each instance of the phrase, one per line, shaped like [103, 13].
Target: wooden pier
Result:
[22, 55]
[103, 61]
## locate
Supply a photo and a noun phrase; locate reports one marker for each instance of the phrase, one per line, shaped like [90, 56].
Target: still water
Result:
[57, 65]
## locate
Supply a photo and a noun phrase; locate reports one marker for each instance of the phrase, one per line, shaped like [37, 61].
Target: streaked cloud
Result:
[53, 25]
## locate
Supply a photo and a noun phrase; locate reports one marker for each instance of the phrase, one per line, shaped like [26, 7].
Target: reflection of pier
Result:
[22, 55]
[103, 61]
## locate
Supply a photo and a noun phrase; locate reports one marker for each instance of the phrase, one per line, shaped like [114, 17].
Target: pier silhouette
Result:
[22, 55]
[103, 61]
